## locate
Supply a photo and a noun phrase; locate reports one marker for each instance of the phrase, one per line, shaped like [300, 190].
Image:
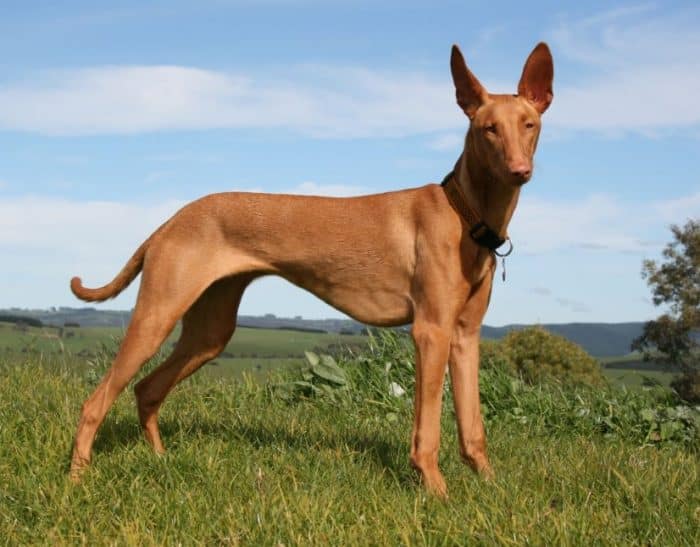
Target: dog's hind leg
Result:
[206, 329]
[167, 291]
[147, 331]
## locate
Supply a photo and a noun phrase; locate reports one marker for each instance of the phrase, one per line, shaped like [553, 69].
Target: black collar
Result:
[479, 231]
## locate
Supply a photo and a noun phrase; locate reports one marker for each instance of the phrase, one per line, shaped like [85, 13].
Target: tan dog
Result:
[423, 255]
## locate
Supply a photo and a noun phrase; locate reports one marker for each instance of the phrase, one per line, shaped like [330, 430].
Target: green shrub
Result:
[494, 355]
[381, 374]
[382, 377]
[537, 355]
[687, 385]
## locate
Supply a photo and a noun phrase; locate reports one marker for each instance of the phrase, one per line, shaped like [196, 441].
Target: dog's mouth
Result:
[518, 180]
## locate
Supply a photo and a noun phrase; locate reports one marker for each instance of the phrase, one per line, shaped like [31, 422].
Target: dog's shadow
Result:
[385, 455]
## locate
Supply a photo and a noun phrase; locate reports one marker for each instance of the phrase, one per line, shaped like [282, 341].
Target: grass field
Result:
[246, 466]
[631, 370]
[637, 378]
[255, 351]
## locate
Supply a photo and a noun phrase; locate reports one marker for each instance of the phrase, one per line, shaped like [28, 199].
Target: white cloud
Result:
[78, 229]
[679, 210]
[546, 225]
[638, 69]
[643, 100]
[635, 68]
[316, 100]
[597, 223]
[142, 98]
[45, 241]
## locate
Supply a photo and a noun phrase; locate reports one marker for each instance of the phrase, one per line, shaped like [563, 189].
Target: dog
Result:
[425, 256]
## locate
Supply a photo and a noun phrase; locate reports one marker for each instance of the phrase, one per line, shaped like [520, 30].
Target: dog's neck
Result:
[493, 200]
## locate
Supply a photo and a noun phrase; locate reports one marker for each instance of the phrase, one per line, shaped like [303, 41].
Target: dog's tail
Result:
[118, 284]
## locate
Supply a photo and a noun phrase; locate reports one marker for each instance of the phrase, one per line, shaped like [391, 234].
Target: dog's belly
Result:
[377, 304]
[381, 310]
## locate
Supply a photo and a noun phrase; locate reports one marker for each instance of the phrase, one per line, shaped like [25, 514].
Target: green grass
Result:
[246, 467]
[246, 342]
[253, 351]
[633, 371]
[257, 368]
[638, 378]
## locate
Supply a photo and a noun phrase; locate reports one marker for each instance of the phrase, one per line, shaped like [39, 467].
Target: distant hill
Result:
[86, 317]
[598, 339]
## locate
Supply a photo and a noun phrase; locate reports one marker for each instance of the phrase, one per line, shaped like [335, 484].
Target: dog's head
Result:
[504, 128]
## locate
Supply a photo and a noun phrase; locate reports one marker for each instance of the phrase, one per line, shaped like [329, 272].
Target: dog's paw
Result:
[435, 485]
[78, 467]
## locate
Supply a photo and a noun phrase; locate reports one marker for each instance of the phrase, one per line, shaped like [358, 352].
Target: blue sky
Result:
[111, 118]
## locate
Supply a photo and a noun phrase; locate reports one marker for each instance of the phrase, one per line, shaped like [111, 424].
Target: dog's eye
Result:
[529, 125]
[491, 128]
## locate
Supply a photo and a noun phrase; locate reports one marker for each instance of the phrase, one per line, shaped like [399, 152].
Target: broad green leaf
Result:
[329, 374]
[329, 361]
[329, 370]
[311, 357]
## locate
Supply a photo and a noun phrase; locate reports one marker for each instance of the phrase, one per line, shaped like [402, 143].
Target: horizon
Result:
[58, 309]
[111, 118]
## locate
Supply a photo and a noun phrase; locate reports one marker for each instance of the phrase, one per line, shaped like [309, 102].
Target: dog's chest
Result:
[481, 266]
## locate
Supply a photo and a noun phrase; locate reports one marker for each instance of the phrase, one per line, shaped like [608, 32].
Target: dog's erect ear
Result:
[536, 82]
[470, 93]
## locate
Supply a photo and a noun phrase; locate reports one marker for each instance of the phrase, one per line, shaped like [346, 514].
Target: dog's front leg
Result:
[432, 346]
[464, 374]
